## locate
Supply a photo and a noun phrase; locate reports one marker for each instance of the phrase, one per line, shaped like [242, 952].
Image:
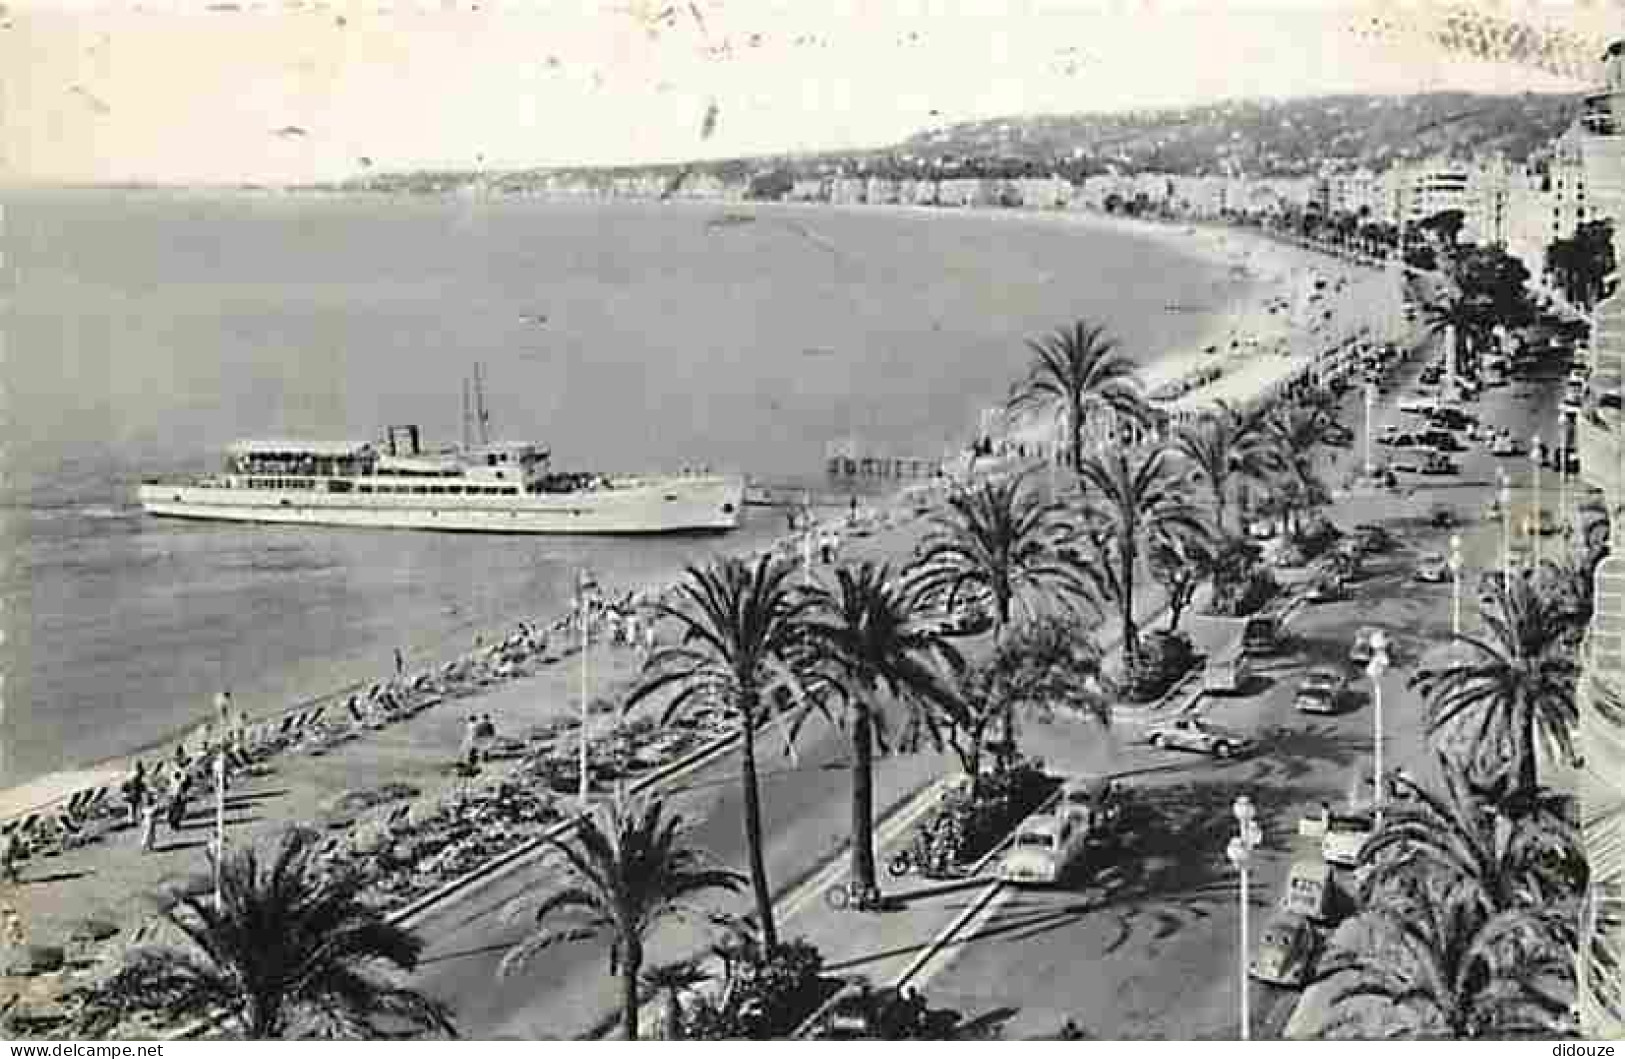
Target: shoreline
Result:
[1266, 265]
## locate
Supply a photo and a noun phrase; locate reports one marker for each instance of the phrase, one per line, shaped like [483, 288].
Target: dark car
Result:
[1438, 463]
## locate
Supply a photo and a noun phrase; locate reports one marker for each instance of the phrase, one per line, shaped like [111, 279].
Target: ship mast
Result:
[482, 418]
[467, 414]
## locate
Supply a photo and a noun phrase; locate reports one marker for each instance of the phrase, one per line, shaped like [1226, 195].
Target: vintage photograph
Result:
[951, 520]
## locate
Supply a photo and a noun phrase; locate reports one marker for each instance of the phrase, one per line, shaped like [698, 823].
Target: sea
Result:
[145, 331]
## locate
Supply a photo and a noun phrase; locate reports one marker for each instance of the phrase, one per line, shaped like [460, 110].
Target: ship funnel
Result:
[403, 441]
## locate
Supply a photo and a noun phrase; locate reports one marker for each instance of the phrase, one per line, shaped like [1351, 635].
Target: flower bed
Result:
[964, 828]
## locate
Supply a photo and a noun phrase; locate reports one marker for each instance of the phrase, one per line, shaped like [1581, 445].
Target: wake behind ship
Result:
[489, 487]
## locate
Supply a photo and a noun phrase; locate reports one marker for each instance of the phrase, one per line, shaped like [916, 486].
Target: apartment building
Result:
[1599, 143]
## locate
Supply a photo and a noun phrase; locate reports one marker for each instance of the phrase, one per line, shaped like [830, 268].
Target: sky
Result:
[195, 91]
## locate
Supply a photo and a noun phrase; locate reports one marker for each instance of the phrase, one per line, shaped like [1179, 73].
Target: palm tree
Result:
[1497, 853]
[624, 873]
[1222, 448]
[1043, 665]
[290, 949]
[1455, 973]
[1458, 310]
[742, 642]
[1077, 370]
[1005, 543]
[869, 630]
[674, 979]
[1128, 506]
[1299, 434]
[1513, 692]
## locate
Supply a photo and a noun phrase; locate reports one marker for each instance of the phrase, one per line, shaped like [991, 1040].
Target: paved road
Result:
[1147, 947]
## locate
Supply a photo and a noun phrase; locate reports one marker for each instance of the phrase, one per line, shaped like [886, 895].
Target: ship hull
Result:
[685, 505]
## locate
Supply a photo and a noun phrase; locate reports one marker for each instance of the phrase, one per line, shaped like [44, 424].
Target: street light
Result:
[1240, 850]
[1370, 406]
[1506, 526]
[1455, 584]
[583, 614]
[1375, 669]
[1535, 454]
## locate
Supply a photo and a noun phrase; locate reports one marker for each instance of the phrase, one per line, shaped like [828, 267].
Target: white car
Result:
[1417, 405]
[1095, 802]
[1044, 848]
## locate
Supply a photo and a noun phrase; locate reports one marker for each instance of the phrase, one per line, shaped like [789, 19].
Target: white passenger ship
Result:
[479, 487]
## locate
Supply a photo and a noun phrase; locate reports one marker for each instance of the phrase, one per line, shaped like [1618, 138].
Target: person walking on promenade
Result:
[149, 825]
[179, 785]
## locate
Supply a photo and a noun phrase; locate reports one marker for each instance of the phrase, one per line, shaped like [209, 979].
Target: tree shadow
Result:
[1170, 873]
[1297, 753]
[61, 876]
[178, 847]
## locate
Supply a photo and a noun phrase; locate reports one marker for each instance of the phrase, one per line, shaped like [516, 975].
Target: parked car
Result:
[1044, 848]
[1417, 404]
[1438, 463]
[1440, 440]
[1444, 516]
[1326, 589]
[1309, 891]
[1192, 733]
[1373, 538]
[1432, 569]
[1287, 950]
[1098, 803]
[1506, 446]
[1321, 690]
[1398, 441]
[1346, 837]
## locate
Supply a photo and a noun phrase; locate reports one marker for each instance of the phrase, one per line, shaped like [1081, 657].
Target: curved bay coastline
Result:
[100, 696]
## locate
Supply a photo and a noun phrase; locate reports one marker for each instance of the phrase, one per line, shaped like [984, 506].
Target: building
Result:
[1599, 142]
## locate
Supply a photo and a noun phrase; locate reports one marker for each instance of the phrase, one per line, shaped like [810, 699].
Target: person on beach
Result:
[135, 792]
[222, 709]
[486, 728]
[149, 826]
[400, 664]
[354, 707]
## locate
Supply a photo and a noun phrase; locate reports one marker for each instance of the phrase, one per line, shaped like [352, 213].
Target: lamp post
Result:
[1455, 584]
[1370, 406]
[219, 819]
[1563, 474]
[1535, 453]
[1506, 526]
[1240, 851]
[1375, 669]
[584, 615]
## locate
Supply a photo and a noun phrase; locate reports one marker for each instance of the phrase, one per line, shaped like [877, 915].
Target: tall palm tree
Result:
[1005, 543]
[742, 642]
[869, 629]
[1463, 312]
[625, 871]
[1222, 448]
[1129, 504]
[1077, 370]
[291, 949]
[1513, 690]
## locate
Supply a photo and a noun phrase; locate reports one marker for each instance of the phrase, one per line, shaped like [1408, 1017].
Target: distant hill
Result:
[1257, 138]
[1270, 138]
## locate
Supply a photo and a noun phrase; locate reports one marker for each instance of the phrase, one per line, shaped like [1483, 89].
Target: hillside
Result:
[1284, 137]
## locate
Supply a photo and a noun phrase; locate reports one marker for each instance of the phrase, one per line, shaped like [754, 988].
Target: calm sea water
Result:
[147, 332]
